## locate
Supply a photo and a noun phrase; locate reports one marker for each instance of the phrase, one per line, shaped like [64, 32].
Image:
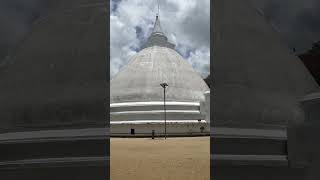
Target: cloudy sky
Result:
[296, 20]
[185, 22]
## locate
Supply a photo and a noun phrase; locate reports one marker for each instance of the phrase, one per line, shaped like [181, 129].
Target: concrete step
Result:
[248, 141]
[251, 154]
[256, 172]
[249, 160]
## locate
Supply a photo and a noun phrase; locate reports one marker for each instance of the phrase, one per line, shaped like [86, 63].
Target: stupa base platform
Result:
[175, 128]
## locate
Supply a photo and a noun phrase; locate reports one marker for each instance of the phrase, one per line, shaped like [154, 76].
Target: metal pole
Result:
[164, 85]
[158, 7]
[165, 114]
[152, 134]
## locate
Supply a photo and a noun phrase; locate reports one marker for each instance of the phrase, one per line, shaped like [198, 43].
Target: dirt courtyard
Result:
[186, 158]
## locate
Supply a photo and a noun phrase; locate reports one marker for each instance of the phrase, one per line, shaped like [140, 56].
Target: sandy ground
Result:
[171, 159]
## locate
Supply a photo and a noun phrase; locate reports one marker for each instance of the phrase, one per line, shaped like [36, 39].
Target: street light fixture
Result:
[164, 85]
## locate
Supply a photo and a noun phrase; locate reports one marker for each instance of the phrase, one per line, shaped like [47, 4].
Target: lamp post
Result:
[164, 85]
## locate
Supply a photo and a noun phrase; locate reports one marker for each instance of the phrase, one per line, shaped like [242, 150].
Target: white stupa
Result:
[137, 99]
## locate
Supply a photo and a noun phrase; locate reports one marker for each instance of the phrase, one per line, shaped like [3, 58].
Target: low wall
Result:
[190, 128]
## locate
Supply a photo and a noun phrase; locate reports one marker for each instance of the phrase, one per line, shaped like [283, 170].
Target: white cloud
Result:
[185, 22]
[199, 60]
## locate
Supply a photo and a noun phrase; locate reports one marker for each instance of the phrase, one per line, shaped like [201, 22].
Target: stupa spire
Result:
[157, 37]
[157, 26]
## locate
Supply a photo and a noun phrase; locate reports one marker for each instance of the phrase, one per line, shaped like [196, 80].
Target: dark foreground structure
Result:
[53, 93]
[265, 115]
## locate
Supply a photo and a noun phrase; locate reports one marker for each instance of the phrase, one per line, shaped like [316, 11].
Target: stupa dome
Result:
[157, 62]
[56, 77]
[140, 79]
